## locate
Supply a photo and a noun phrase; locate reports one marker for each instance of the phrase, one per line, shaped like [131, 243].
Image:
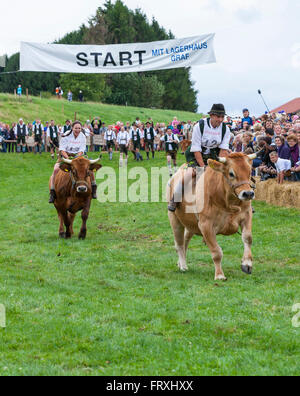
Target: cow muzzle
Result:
[246, 195]
[82, 189]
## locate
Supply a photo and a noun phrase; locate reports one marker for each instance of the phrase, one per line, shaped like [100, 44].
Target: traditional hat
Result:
[218, 109]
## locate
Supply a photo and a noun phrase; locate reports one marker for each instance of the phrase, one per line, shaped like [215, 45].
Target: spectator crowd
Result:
[274, 137]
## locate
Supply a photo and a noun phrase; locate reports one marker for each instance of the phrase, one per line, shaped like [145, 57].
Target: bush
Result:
[46, 95]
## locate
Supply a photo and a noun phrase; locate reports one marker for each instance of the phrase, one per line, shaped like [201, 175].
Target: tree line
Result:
[114, 23]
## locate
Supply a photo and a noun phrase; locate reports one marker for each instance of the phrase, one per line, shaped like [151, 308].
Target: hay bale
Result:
[285, 195]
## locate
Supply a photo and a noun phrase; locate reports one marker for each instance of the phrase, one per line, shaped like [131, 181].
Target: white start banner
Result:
[118, 58]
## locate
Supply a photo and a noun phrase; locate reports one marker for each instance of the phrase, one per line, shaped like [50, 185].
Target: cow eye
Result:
[231, 174]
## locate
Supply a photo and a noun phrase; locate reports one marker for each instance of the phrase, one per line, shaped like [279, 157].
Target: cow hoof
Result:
[247, 269]
[68, 236]
[62, 235]
[82, 236]
[221, 278]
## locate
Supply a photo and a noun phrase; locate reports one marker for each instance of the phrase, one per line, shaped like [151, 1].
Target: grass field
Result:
[11, 109]
[115, 304]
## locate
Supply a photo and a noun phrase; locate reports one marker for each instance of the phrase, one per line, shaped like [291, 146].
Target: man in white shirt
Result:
[123, 140]
[149, 139]
[71, 145]
[210, 140]
[38, 130]
[52, 134]
[171, 145]
[283, 166]
[21, 131]
[110, 139]
[136, 137]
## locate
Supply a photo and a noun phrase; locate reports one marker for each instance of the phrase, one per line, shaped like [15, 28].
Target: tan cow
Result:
[221, 206]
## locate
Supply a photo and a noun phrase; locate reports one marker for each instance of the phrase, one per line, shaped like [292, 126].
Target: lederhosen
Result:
[110, 143]
[213, 154]
[149, 143]
[21, 134]
[173, 152]
[137, 142]
[123, 148]
[37, 129]
[54, 139]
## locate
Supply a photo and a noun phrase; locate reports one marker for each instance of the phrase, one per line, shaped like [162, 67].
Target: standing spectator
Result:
[11, 145]
[4, 133]
[247, 117]
[70, 96]
[19, 90]
[80, 96]
[96, 132]
[110, 139]
[123, 140]
[60, 92]
[52, 135]
[67, 127]
[21, 131]
[57, 92]
[38, 131]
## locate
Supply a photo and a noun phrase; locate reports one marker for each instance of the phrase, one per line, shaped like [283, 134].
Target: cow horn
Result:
[252, 156]
[92, 162]
[67, 161]
[223, 160]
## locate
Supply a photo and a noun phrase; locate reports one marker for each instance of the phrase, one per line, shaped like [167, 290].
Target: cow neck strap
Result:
[235, 186]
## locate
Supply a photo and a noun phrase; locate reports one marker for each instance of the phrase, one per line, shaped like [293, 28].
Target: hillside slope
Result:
[11, 109]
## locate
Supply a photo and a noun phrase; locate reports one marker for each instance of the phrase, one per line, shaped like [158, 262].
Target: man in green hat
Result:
[210, 140]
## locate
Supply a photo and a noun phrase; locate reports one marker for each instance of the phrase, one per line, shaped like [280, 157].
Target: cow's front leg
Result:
[247, 263]
[84, 215]
[217, 254]
[67, 222]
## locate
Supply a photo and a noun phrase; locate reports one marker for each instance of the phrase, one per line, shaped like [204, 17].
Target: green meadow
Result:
[60, 110]
[116, 304]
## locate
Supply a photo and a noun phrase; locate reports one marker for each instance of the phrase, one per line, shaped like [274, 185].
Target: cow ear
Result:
[95, 167]
[65, 167]
[216, 166]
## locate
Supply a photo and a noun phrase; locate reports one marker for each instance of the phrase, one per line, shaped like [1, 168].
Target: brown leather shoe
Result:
[172, 205]
[94, 191]
[52, 196]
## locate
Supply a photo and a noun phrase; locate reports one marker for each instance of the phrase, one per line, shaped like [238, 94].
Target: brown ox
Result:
[74, 193]
[224, 208]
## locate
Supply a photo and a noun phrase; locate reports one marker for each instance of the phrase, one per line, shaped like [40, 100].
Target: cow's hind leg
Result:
[178, 231]
[216, 251]
[84, 216]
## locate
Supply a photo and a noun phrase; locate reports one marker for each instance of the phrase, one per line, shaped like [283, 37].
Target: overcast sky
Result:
[257, 42]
